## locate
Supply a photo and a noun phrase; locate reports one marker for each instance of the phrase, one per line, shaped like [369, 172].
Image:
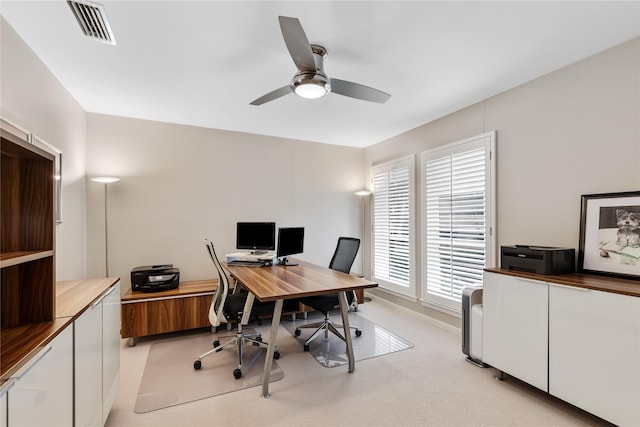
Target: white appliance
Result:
[472, 325]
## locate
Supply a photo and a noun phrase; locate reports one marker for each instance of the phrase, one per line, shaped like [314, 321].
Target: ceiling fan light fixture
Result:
[310, 85]
[310, 90]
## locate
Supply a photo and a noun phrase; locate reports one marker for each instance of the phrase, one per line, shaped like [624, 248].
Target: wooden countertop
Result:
[184, 289]
[20, 343]
[73, 297]
[589, 281]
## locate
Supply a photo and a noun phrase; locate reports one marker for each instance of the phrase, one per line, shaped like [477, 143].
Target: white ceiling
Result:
[202, 63]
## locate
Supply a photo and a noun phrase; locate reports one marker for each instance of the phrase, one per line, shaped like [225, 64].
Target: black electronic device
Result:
[538, 259]
[155, 278]
[258, 237]
[290, 242]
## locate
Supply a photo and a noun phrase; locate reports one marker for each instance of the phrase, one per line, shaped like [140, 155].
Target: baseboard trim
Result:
[435, 322]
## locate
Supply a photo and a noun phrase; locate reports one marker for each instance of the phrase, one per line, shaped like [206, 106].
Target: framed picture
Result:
[610, 234]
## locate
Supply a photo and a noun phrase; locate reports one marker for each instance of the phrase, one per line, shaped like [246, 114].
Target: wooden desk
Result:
[277, 283]
[149, 313]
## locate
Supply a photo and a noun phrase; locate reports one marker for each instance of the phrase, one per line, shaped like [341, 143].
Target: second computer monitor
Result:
[290, 242]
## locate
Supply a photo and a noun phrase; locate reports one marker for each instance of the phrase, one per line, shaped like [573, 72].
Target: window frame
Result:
[488, 142]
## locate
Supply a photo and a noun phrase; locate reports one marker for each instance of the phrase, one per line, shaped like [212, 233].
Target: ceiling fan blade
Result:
[297, 43]
[275, 94]
[355, 90]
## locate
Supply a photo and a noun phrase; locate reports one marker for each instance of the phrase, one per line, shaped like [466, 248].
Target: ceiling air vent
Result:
[92, 20]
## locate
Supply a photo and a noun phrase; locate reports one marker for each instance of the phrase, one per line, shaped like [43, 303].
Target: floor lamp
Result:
[106, 180]
[362, 194]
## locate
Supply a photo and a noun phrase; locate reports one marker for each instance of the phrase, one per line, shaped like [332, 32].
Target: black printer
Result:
[155, 278]
[538, 259]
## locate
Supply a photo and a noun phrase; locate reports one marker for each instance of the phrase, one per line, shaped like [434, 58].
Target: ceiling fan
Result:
[311, 81]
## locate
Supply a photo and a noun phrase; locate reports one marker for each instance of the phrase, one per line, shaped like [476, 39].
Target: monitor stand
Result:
[285, 262]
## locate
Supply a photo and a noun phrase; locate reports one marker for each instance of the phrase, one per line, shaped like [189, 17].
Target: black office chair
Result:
[227, 306]
[342, 260]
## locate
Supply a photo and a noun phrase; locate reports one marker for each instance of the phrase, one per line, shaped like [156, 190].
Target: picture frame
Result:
[57, 172]
[610, 234]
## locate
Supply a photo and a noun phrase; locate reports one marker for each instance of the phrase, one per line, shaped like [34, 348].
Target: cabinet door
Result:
[88, 367]
[43, 392]
[594, 352]
[110, 349]
[4, 389]
[515, 334]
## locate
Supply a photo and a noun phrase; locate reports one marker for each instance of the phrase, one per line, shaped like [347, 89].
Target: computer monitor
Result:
[258, 237]
[290, 242]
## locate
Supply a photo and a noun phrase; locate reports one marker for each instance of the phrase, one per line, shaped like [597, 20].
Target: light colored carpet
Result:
[429, 386]
[169, 377]
[332, 351]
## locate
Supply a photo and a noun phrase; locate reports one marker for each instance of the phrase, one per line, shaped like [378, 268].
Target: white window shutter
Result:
[392, 232]
[456, 216]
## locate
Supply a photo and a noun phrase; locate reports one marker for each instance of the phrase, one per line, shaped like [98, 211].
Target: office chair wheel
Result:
[358, 332]
[237, 373]
[276, 355]
[259, 339]
[216, 343]
[306, 347]
[197, 365]
[297, 332]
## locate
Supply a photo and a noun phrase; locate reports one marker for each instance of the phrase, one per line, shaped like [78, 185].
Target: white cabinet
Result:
[97, 359]
[88, 362]
[515, 327]
[4, 388]
[43, 391]
[594, 352]
[110, 349]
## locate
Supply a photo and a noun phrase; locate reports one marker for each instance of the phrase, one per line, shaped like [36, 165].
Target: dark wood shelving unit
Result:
[27, 246]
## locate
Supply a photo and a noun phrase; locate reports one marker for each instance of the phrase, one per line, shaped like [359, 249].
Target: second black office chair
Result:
[226, 307]
[342, 260]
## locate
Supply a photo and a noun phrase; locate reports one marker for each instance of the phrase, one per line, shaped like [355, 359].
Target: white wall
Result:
[181, 184]
[575, 131]
[34, 100]
[572, 132]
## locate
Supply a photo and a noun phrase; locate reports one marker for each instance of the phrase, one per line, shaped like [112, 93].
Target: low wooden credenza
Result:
[186, 307]
[150, 313]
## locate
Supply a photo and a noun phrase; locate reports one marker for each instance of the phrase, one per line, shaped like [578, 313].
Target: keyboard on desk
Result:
[246, 263]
